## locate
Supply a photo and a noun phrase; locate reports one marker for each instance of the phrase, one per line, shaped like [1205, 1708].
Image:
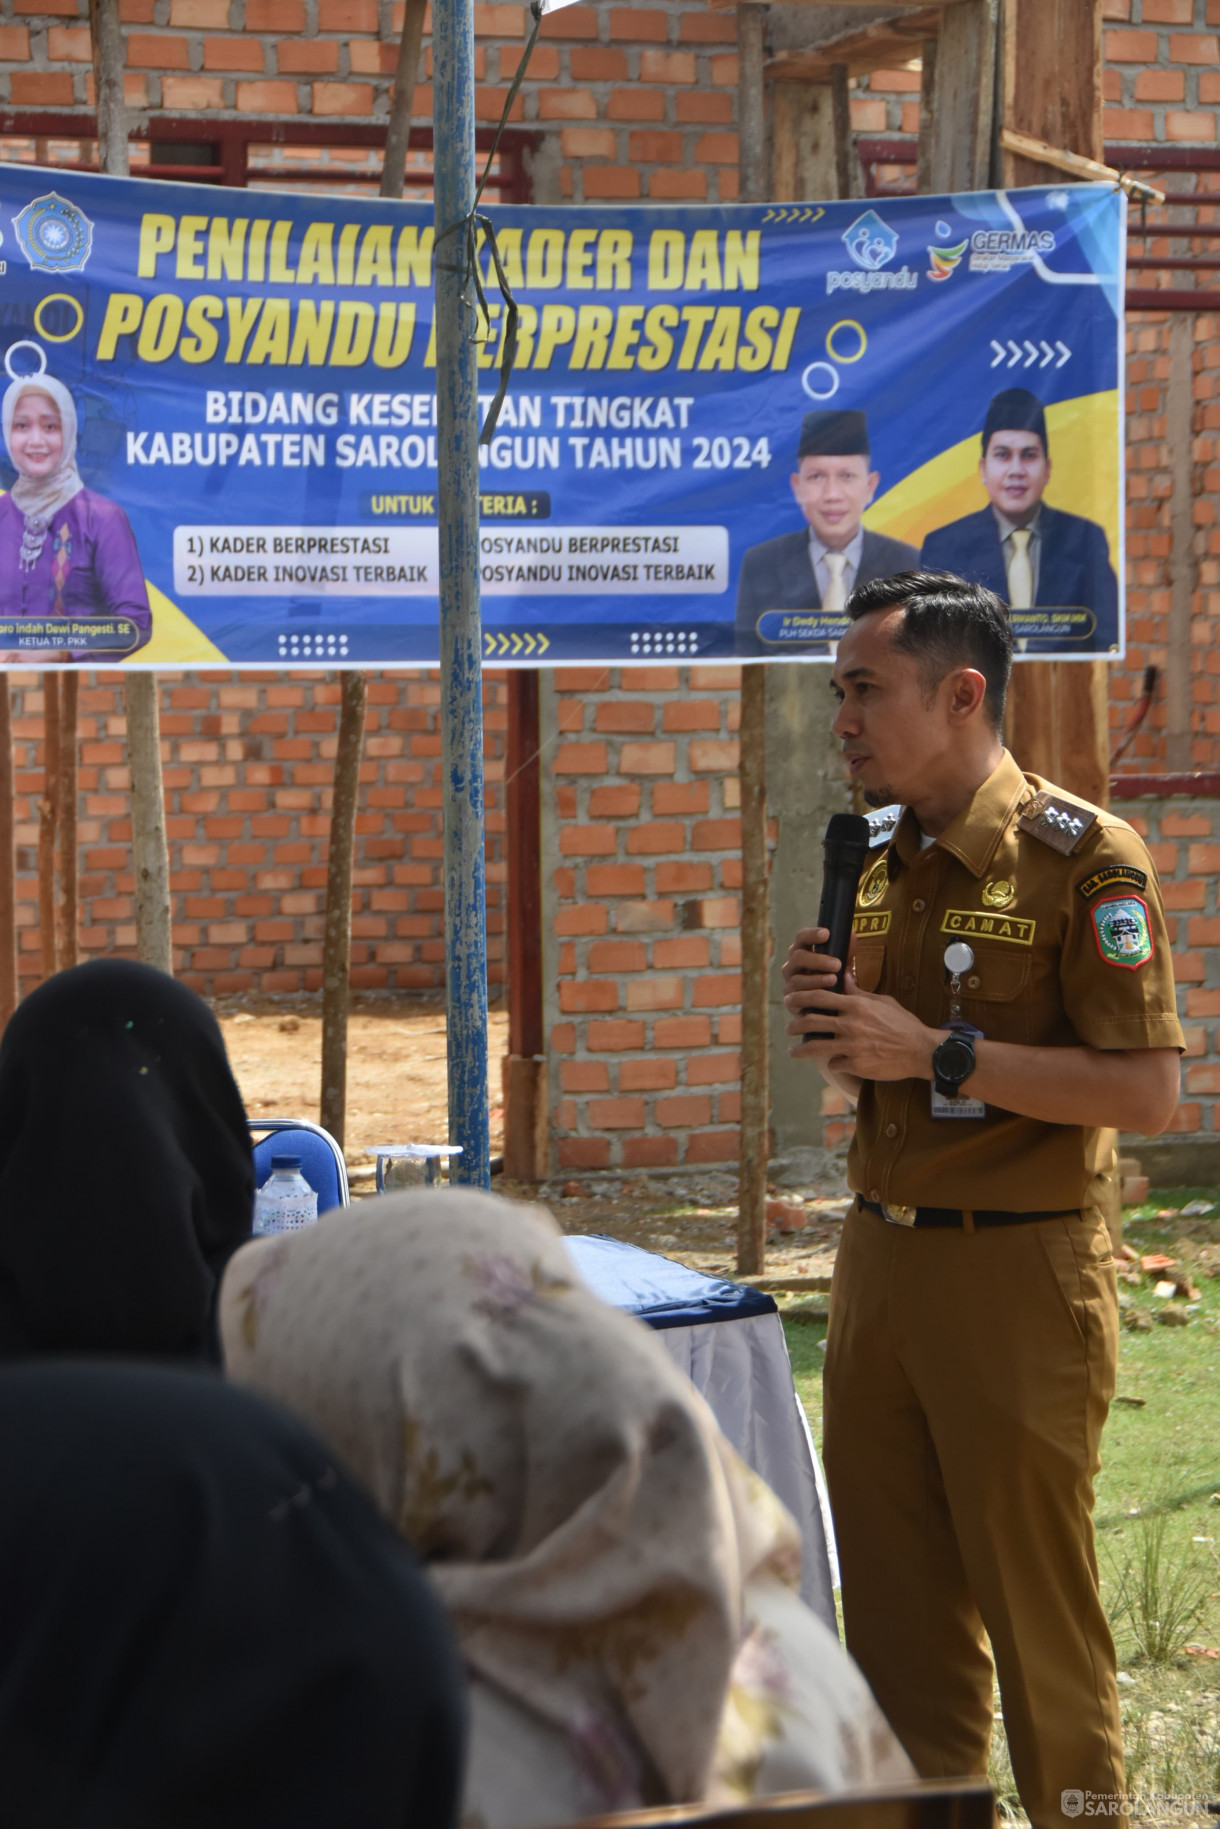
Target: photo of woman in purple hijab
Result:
[64, 550]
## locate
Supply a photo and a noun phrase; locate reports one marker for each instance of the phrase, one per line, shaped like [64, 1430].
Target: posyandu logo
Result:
[870, 242]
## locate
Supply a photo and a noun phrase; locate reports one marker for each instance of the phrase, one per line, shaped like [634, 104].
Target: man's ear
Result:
[874, 477]
[969, 689]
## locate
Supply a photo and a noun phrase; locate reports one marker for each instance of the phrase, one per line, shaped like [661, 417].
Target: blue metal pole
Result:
[461, 630]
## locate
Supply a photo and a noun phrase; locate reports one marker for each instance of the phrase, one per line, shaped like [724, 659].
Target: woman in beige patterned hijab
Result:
[622, 1585]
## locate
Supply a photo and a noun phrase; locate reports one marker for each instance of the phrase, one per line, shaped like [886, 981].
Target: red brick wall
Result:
[248, 762]
[645, 916]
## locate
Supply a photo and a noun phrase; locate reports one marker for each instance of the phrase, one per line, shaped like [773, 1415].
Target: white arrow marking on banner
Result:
[1048, 353]
[999, 353]
[1033, 353]
[1066, 353]
[1016, 353]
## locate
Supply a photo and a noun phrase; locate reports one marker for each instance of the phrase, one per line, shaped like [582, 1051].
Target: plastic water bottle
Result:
[285, 1199]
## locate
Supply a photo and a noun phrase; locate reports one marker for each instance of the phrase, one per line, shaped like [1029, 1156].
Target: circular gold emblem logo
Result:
[875, 885]
[998, 893]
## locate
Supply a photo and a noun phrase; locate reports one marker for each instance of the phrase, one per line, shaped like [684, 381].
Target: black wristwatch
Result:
[952, 1063]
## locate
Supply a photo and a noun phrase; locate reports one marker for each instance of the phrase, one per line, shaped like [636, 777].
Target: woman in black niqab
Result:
[126, 1179]
[204, 1622]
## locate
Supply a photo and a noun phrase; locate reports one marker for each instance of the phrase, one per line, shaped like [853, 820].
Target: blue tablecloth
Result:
[661, 1292]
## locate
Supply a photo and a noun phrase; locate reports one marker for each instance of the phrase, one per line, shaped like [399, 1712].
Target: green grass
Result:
[1159, 1484]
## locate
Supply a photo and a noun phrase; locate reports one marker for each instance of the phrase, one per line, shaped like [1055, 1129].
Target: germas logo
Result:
[943, 262]
[872, 244]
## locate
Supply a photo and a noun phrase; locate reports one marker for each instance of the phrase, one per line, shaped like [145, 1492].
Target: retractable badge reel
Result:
[958, 959]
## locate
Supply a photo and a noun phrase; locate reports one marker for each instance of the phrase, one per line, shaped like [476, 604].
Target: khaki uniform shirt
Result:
[1068, 933]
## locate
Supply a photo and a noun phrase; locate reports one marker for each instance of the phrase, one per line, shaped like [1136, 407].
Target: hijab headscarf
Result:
[126, 1178]
[592, 1533]
[39, 498]
[203, 1621]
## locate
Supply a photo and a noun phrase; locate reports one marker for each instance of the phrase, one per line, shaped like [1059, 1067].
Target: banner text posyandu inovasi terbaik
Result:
[221, 440]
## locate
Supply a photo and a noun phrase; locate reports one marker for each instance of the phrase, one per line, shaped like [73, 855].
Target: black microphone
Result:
[844, 850]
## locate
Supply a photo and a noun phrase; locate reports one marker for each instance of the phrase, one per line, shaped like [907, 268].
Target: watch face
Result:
[954, 1059]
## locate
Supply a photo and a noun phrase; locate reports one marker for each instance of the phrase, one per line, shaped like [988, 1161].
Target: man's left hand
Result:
[873, 1036]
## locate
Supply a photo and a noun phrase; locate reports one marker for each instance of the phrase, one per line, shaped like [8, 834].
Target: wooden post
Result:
[1179, 436]
[1051, 87]
[955, 150]
[755, 1149]
[337, 941]
[149, 845]
[406, 73]
[66, 808]
[927, 114]
[46, 821]
[812, 154]
[848, 176]
[8, 872]
[524, 1069]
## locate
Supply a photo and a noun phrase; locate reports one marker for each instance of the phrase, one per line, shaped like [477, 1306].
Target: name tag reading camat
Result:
[972, 922]
[866, 923]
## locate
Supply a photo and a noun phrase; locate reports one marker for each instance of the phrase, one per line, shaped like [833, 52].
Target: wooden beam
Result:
[884, 45]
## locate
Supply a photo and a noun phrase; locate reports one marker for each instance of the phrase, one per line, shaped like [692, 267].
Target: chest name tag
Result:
[973, 922]
[878, 923]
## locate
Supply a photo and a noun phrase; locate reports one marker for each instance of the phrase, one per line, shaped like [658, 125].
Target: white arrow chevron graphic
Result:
[999, 353]
[1066, 353]
[1016, 353]
[1033, 353]
[1048, 354]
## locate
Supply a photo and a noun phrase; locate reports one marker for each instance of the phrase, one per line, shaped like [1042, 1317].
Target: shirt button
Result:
[919, 905]
[908, 983]
[875, 1194]
[974, 983]
[891, 1130]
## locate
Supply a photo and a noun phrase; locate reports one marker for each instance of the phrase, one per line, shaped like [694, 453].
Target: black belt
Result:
[953, 1216]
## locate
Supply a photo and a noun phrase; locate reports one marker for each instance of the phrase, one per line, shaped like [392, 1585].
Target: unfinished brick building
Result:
[640, 835]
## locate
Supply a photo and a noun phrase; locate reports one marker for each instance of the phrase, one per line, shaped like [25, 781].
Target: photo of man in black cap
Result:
[818, 566]
[1030, 554]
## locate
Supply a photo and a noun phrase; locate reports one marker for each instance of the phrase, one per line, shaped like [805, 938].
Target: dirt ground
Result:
[397, 1094]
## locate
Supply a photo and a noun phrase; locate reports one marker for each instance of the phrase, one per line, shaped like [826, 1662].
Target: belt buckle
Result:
[899, 1216]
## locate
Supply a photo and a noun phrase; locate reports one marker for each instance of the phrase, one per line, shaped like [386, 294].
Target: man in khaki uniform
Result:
[973, 1330]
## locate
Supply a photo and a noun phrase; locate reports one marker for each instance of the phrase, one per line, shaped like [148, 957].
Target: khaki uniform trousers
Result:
[968, 1377]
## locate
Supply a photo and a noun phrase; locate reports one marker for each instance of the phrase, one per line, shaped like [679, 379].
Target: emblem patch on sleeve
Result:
[1113, 876]
[1122, 931]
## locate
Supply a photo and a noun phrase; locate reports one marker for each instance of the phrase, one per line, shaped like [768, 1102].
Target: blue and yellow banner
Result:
[220, 439]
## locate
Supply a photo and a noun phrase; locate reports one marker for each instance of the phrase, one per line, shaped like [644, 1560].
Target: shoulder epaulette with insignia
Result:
[1058, 822]
[882, 825]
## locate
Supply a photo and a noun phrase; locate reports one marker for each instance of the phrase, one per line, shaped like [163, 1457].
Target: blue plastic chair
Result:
[322, 1161]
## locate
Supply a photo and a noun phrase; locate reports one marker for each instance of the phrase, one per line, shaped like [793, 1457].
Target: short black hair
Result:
[948, 623]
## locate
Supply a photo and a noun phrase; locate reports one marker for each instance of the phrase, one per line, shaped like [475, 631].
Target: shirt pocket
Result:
[867, 963]
[995, 992]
